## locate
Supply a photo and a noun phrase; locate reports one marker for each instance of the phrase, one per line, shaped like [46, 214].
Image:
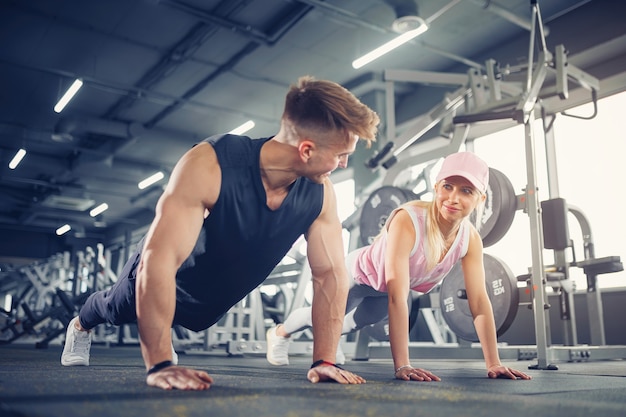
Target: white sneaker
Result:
[277, 348]
[77, 345]
[340, 358]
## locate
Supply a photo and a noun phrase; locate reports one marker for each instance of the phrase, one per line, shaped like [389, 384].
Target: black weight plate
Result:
[500, 207]
[377, 209]
[506, 208]
[502, 290]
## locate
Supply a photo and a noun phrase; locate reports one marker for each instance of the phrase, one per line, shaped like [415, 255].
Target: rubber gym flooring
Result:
[33, 383]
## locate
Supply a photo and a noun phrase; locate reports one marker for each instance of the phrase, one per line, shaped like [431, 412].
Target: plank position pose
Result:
[418, 246]
[232, 209]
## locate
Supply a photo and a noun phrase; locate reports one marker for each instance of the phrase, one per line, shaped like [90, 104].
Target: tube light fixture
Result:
[151, 180]
[243, 128]
[99, 209]
[8, 302]
[19, 155]
[389, 46]
[63, 229]
[69, 94]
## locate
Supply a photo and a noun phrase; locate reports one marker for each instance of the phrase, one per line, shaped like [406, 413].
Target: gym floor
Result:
[33, 383]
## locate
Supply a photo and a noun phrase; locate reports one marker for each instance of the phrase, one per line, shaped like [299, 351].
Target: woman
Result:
[418, 246]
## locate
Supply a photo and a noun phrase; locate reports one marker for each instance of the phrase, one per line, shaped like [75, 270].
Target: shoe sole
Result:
[73, 363]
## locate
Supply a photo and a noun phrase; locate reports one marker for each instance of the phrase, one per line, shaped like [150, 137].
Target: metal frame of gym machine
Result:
[487, 100]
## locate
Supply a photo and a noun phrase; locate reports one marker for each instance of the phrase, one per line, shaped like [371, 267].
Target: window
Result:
[591, 173]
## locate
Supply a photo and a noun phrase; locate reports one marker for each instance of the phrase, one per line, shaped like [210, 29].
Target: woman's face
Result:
[456, 198]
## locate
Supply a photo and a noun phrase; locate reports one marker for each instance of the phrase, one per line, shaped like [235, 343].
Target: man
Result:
[231, 211]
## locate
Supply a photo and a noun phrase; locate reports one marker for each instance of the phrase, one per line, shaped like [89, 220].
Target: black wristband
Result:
[323, 362]
[159, 366]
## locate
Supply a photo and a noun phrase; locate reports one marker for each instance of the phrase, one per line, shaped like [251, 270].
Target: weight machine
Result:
[488, 98]
[49, 293]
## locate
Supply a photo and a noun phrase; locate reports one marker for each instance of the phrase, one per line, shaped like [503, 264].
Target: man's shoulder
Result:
[228, 138]
[235, 150]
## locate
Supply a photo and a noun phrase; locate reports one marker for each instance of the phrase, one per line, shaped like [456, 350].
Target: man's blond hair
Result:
[321, 107]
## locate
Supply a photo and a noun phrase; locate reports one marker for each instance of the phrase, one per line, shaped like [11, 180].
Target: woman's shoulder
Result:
[417, 207]
[414, 212]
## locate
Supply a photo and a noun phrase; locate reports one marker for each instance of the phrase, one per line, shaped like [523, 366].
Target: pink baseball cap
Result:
[468, 166]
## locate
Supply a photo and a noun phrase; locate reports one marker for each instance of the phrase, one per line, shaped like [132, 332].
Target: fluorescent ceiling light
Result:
[17, 159]
[8, 302]
[97, 210]
[389, 46]
[63, 229]
[150, 180]
[69, 94]
[243, 128]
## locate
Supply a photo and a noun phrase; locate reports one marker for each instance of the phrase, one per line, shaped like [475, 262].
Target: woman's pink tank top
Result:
[368, 268]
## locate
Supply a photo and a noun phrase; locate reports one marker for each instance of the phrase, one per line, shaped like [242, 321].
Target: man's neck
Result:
[277, 165]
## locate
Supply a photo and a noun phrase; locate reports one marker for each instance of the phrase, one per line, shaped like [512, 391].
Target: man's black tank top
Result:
[241, 240]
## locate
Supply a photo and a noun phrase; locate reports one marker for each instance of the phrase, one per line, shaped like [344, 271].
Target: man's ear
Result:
[305, 149]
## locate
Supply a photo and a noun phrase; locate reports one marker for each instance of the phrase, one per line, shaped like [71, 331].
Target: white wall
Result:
[591, 163]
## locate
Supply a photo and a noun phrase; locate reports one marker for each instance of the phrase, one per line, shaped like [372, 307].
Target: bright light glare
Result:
[150, 180]
[8, 302]
[243, 128]
[97, 210]
[389, 46]
[63, 229]
[69, 94]
[17, 159]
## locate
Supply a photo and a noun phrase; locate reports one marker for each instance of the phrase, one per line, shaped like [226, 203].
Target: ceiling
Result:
[159, 75]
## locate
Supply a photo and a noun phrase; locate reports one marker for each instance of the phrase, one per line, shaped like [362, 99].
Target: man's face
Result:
[328, 157]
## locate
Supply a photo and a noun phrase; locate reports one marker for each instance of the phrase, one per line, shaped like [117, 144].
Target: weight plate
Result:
[502, 290]
[500, 207]
[496, 220]
[377, 209]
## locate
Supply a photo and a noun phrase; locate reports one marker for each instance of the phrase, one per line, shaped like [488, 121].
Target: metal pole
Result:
[566, 296]
[536, 241]
[550, 146]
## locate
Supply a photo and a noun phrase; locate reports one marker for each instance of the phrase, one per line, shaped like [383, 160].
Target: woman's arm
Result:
[479, 303]
[482, 311]
[400, 241]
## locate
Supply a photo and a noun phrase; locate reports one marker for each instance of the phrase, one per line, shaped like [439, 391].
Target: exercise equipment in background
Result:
[501, 287]
[496, 220]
